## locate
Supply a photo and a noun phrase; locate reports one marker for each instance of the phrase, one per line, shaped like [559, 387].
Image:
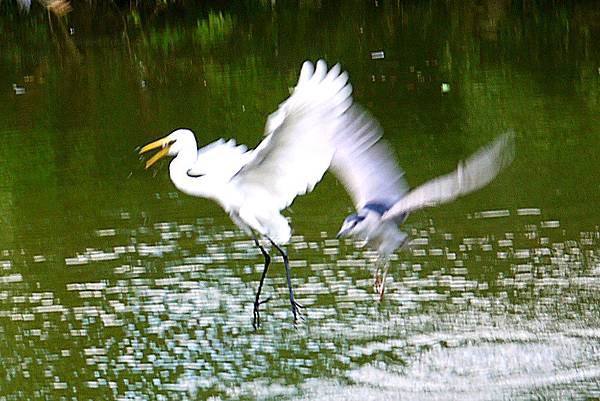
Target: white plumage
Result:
[316, 128]
[364, 162]
[220, 157]
[253, 186]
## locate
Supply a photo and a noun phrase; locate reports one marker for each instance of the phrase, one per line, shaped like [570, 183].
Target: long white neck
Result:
[207, 186]
[178, 169]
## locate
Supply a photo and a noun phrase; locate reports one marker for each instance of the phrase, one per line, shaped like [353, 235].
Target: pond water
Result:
[115, 286]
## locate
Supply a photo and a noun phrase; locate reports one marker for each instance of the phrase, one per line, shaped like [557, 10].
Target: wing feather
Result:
[364, 163]
[298, 148]
[220, 157]
[472, 174]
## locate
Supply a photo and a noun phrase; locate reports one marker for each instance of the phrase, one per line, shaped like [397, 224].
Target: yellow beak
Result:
[163, 143]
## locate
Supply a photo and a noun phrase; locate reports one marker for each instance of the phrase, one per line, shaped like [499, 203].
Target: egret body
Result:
[253, 186]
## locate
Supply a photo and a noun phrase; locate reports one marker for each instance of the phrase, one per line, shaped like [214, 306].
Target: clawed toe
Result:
[256, 319]
[296, 311]
[380, 278]
[377, 283]
[379, 287]
[256, 312]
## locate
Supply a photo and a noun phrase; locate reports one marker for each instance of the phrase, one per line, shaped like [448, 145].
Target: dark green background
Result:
[160, 305]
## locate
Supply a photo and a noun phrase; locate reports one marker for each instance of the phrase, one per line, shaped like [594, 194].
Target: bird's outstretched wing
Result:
[364, 163]
[220, 157]
[298, 149]
[472, 174]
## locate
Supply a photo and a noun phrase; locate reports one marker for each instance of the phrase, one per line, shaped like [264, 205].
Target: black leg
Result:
[295, 305]
[257, 302]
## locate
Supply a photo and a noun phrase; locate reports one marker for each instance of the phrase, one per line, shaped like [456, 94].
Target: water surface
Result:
[115, 286]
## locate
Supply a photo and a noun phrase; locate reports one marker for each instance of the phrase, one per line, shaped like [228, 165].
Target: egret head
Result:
[352, 225]
[170, 145]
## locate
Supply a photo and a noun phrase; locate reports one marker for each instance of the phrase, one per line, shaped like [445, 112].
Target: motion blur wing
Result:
[475, 172]
[364, 163]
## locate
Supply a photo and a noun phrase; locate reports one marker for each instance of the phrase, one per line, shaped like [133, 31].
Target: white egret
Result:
[368, 170]
[254, 186]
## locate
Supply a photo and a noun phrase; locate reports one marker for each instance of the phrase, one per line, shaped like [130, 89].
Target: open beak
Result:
[163, 143]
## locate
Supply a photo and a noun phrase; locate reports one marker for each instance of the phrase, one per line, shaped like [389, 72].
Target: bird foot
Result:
[296, 311]
[381, 293]
[379, 285]
[377, 282]
[256, 313]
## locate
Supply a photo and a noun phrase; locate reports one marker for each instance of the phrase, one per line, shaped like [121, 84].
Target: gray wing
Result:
[364, 163]
[474, 173]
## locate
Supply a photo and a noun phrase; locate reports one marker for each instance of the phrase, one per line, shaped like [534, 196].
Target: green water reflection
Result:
[113, 285]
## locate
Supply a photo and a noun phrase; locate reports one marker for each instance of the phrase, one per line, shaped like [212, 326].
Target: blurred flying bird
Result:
[253, 186]
[368, 170]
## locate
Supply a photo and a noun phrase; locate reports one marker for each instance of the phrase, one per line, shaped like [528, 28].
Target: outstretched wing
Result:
[220, 157]
[298, 149]
[472, 174]
[364, 163]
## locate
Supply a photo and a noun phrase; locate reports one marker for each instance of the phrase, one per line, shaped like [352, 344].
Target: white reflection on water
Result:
[481, 363]
[166, 311]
